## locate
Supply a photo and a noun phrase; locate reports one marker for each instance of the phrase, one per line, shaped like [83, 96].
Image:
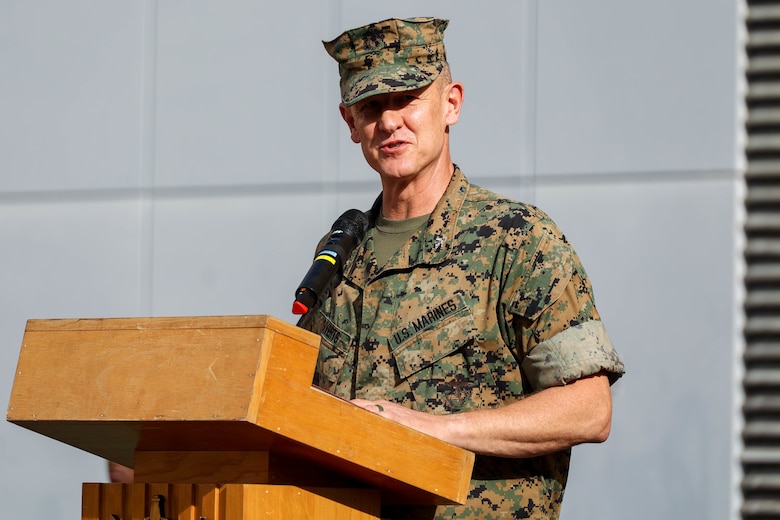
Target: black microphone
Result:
[345, 235]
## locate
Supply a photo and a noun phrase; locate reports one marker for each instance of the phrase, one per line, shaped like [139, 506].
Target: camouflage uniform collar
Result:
[438, 234]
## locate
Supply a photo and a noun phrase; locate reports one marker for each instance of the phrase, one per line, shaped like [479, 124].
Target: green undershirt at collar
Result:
[390, 235]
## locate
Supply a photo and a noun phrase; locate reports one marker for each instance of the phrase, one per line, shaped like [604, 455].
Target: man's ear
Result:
[346, 115]
[454, 93]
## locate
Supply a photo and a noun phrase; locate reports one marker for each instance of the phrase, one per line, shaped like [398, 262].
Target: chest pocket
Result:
[420, 340]
[439, 355]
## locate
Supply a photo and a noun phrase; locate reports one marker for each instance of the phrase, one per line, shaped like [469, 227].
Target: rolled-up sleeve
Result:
[574, 353]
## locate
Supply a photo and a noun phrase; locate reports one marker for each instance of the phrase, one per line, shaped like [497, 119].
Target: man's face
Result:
[404, 134]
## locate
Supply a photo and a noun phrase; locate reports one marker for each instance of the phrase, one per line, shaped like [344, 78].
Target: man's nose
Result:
[391, 119]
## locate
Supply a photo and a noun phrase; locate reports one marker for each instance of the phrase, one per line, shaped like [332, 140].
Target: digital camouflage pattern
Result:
[389, 56]
[450, 322]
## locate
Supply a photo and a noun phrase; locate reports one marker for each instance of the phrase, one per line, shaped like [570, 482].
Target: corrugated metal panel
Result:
[761, 435]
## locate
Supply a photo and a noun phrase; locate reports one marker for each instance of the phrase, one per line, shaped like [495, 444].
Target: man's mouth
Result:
[392, 145]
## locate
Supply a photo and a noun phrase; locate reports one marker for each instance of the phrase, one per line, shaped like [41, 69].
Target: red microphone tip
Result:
[299, 308]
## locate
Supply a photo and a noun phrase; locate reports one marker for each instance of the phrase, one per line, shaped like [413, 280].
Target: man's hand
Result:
[419, 421]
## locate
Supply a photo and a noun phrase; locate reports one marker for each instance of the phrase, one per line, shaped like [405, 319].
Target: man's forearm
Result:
[550, 420]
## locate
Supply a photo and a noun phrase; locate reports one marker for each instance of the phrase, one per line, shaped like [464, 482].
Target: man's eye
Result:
[404, 100]
[370, 107]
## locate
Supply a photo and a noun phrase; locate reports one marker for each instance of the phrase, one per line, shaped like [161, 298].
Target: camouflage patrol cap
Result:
[394, 55]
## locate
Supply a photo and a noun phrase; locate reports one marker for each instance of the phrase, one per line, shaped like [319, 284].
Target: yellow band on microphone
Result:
[326, 257]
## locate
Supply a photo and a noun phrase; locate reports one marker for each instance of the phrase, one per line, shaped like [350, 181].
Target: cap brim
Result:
[384, 79]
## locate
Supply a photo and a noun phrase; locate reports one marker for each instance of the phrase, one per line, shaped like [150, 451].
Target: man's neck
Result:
[405, 200]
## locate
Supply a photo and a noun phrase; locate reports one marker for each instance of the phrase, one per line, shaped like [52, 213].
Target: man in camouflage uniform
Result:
[463, 314]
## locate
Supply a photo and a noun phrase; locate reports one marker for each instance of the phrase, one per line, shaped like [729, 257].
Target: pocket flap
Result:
[426, 339]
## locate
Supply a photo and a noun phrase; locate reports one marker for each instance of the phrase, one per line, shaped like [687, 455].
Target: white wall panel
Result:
[70, 258]
[70, 77]
[636, 86]
[240, 93]
[235, 254]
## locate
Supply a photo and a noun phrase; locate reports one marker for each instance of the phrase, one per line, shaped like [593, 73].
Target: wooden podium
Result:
[220, 421]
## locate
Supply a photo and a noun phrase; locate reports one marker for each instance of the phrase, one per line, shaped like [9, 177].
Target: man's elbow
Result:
[597, 410]
[601, 433]
[601, 423]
